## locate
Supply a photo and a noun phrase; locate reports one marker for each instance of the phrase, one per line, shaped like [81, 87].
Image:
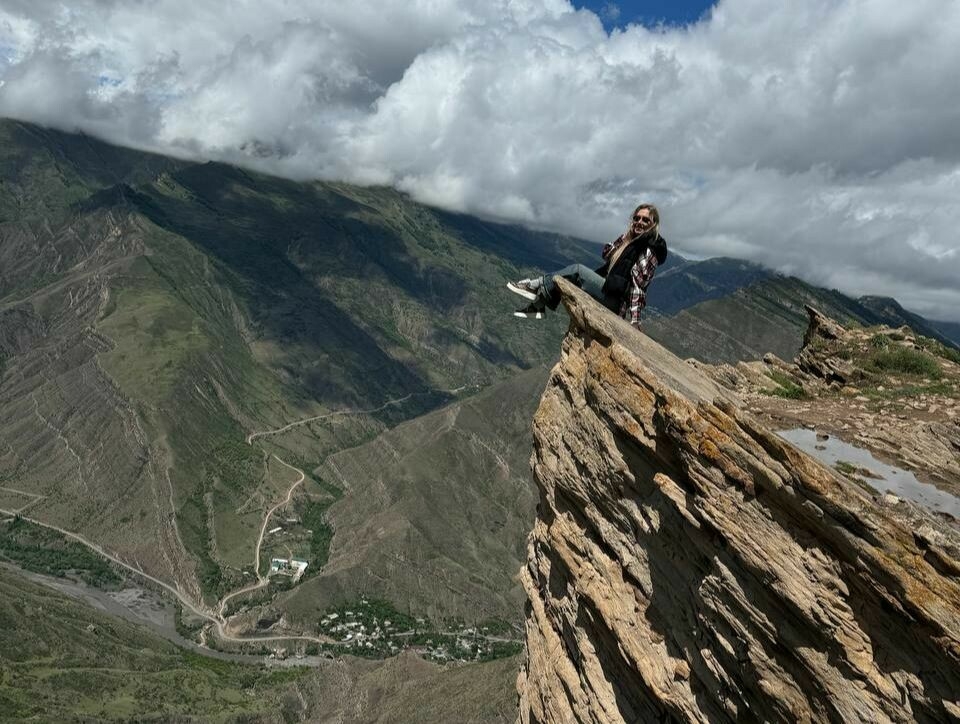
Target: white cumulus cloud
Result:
[821, 138]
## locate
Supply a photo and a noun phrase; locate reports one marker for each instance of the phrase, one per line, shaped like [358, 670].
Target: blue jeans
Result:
[584, 277]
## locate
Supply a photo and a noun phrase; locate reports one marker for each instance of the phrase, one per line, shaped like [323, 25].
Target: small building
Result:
[288, 567]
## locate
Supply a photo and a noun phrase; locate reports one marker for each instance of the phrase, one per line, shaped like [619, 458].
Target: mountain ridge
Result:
[181, 338]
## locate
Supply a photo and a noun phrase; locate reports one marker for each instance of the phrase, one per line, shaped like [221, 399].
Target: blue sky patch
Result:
[646, 12]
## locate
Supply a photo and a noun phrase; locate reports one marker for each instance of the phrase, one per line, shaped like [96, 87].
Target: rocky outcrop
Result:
[688, 564]
[899, 396]
[822, 332]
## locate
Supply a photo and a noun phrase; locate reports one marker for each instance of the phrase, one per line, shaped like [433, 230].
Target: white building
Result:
[288, 567]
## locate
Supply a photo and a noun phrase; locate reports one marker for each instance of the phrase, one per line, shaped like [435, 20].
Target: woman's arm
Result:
[640, 276]
[608, 248]
[644, 269]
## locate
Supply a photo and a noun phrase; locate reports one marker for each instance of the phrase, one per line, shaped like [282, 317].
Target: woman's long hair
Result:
[650, 235]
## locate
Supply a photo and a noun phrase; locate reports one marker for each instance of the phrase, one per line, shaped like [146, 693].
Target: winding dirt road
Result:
[263, 433]
[253, 435]
[261, 579]
[217, 617]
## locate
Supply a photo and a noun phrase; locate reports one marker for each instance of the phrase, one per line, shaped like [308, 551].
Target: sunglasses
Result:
[643, 219]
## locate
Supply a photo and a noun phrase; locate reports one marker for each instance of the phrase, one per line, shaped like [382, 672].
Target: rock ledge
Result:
[688, 564]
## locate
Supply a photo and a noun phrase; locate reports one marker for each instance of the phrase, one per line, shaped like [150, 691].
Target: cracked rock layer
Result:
[688, 564]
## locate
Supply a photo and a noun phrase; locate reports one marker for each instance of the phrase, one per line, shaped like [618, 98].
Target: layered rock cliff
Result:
[688, 564]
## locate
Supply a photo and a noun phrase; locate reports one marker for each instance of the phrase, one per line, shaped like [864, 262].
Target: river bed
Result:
[147, 608]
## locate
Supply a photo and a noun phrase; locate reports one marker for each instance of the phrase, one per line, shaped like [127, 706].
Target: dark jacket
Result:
[618, 278]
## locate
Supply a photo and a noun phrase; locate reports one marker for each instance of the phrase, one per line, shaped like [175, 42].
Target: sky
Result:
[650, 13]
[820, 138]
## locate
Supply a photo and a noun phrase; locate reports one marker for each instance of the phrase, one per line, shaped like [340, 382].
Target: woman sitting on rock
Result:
[620, 284]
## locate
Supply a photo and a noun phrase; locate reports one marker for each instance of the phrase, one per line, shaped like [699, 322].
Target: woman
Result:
[620, 284]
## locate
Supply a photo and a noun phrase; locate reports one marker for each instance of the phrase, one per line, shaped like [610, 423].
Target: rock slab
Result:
[687, 564]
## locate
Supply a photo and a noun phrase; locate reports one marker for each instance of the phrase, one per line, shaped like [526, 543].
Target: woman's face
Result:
[642, 221]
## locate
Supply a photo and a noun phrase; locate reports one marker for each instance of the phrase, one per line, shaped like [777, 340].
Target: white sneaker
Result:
[523, 288]
[531, 311]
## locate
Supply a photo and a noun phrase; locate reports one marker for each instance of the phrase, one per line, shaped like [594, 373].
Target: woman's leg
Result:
[584, 277]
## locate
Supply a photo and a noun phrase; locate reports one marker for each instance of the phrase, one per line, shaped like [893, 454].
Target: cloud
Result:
[822, 138]
[610, 12]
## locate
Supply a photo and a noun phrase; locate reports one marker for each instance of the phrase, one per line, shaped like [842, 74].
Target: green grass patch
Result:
[188, 630]
[314, 519]
[900, 392]
[937, 348]
[41, 550]
[844, 467]
[879, 341]
[845, 352]
[786, 387]
[155, 334]
[215, 580]
[495, 626]
[902, 360]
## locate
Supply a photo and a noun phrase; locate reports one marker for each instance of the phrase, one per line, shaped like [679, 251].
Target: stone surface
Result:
[688, 564]
[906, 419]
[824, 332]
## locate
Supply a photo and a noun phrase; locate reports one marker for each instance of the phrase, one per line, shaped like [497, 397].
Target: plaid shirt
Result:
[640, 276]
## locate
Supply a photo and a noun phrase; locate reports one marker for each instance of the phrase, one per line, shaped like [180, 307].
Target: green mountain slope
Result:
[895, 315]
[61, 660]
[767, 316]
[436, 511]
[688, 282]
[950, 330]
[154, 312]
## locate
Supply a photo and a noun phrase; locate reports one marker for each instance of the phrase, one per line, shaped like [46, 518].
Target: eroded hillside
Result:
[155, 313]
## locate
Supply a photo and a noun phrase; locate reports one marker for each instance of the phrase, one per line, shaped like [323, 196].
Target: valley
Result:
[207, 373]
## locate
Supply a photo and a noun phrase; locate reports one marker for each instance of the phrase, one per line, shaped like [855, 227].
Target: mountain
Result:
[436, 511]
[153, 312]
[894, 315]
[688, 282]
[204, 368]
[950, 330]
[766, 316]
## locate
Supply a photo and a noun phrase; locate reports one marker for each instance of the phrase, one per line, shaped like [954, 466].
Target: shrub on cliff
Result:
[905, 361]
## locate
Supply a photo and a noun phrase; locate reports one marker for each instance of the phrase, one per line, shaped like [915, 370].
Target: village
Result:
[373, 629]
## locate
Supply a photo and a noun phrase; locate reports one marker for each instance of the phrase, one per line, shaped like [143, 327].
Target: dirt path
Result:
[399, 400]
[36, 498]
[217, 617]
[261, 579]
[253, 435]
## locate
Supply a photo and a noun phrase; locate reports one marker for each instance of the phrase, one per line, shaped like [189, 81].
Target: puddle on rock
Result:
[892, 479]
